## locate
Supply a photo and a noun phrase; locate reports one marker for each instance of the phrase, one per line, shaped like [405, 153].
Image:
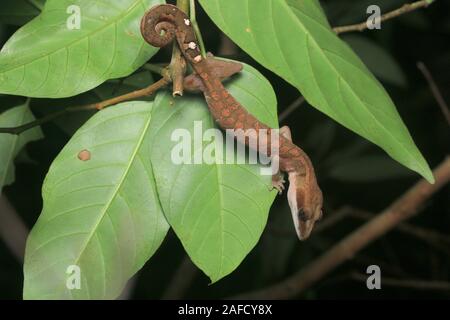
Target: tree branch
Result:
[418, 232]
[431, 237]
[181, 281]
[404, 208]
[93, 106]
[291, 108]
[12, 229]
[390, 15]
[407, 283]
[435, 90]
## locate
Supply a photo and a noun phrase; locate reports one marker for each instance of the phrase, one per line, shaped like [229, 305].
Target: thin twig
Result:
[151, 89]
[291, 108]
[227, 47]
[93, 106]
[332, 220]
[434, 238]
[181, 281]
[177, 70]
[327, 223]
[393, 269]
[390, 15]
[403, 208]
[435, 90]
[418, 232]
[193, 17]
[158, 69]
[407, 283]
[184, 5]
[177, 67]
[12, 229]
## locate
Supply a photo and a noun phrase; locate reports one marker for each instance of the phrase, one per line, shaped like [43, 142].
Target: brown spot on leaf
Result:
[84, 155]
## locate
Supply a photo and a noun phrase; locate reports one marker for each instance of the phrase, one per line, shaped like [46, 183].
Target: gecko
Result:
[165, 23]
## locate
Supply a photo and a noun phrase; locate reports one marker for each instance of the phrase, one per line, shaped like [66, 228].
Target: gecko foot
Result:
[278, 182]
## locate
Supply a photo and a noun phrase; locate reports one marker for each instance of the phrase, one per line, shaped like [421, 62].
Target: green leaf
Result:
[293, 39]
[45, 58]
[217, 211]
[10, 145]
[102, 215]
[380, 62]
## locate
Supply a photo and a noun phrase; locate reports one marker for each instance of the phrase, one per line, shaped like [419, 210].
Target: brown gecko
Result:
[164, 23]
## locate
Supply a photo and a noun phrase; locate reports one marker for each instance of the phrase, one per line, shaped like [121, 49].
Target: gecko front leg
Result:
[222, 69]
[278, 178]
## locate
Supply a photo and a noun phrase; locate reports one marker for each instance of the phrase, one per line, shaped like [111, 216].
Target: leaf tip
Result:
[429, 177]
[424, 170]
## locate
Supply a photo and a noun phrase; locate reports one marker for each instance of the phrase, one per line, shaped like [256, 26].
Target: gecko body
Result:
[164, 23]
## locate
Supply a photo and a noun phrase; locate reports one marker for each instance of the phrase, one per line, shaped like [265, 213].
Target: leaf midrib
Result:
[116, 191]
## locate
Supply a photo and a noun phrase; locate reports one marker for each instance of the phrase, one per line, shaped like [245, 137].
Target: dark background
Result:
[352, 173]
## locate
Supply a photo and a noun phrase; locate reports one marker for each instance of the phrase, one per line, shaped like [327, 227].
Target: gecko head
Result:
[305, 200]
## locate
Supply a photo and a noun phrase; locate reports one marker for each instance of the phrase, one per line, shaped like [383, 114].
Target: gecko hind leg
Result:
[278, 182]
[278, 178]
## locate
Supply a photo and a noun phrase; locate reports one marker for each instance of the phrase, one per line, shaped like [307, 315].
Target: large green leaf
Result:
[102, 215]
[293, 39]
[217, 211]
[45, 58]
[10, 145]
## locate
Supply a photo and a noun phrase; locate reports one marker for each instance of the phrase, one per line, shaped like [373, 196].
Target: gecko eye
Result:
[302, 215]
